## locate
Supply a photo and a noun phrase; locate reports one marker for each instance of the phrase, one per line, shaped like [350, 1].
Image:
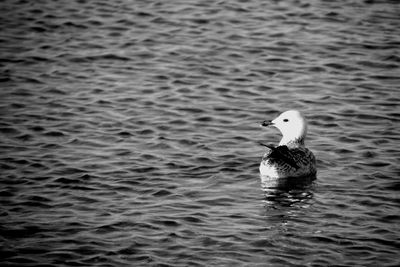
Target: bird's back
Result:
[285, 162]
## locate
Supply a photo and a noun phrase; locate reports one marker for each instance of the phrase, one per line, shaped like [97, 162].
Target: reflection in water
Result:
[287, 209]
[287, 192]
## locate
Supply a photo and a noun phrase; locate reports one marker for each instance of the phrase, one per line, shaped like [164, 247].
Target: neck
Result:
[297, 142]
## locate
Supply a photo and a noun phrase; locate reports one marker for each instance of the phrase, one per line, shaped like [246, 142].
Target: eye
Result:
[285, 120]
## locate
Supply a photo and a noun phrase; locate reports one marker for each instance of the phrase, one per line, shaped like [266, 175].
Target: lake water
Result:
[129, 132]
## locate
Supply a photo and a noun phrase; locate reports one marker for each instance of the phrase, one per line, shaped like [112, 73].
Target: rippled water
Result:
[129, 132]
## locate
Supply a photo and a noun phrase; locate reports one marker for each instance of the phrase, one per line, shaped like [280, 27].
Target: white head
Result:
[292, 125]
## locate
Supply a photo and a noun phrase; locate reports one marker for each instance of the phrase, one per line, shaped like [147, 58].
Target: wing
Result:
[282, 154]
[269, 146]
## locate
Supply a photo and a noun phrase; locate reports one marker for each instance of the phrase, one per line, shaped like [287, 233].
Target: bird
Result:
[290, 159]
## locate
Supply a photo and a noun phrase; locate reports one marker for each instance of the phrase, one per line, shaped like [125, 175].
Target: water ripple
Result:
[129, 132]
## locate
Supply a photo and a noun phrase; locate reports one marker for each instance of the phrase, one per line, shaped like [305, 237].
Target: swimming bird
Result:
[290, 158]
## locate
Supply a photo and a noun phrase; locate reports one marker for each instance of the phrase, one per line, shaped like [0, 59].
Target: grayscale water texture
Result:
[129, 132]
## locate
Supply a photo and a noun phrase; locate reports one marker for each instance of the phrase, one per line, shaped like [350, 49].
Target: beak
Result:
[267, 123]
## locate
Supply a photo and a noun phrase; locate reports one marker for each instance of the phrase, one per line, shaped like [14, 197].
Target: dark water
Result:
[129, 132]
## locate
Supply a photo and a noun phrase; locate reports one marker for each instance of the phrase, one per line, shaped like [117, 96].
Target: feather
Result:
[279, 154]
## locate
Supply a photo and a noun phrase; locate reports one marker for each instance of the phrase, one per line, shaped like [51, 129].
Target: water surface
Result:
[129, 130]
